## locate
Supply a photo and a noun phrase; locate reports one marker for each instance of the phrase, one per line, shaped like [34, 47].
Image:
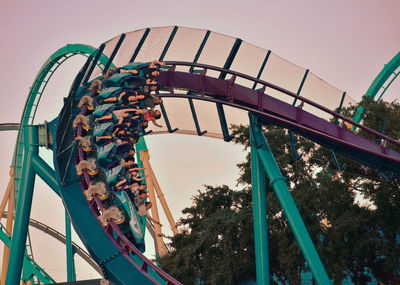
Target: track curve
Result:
[61, 238]
[203, 87]
[215, 90]
[39, 85]
[381, 82]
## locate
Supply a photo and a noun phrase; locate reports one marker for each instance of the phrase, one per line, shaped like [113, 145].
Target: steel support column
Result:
[24, 204]
[278, 183]
[143, 162]
[71, 275]
[46, 173]
[259, 214]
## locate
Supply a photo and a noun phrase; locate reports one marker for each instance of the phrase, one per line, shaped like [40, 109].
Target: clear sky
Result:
[344, 42]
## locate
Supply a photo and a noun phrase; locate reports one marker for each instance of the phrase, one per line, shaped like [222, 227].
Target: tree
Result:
[215, 245]
[351, 216]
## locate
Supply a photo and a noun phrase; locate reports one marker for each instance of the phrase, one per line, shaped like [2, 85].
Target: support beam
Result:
[260, 215]
[9, 224]
[166, 119]
[301, 86]
[144, 156]
[96, 58]
[6, 196]
[71, 275]
[24, 204]
[140, 44]
[260, 72]
[223, 122]
[46, 173]
[278, 183]
[160, 196]
[114, 53]
[167, 45]
[220, 107]
[195, 119]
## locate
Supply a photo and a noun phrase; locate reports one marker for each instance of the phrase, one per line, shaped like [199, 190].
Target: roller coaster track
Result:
[29, 264]
[36, 91]
[380, 84]
[61, 238]
[128, 263]
[203, 87]
[9, 127]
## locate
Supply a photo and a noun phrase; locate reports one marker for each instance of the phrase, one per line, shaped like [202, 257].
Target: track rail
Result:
[36, 92]
[29, 264]
[381, 83]
[60, 237]
[270, 109]
[230, 94]
[97, 205]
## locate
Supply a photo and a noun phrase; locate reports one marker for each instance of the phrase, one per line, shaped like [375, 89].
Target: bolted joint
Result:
[45, 138]
[271, 184]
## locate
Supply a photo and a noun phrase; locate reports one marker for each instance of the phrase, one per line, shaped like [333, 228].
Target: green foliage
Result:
[352, 216]
[216, 244]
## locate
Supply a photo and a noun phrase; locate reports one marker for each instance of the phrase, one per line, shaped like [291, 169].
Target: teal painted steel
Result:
[223, 123]
[114, 52]
[388, 70]
[301, 86]
[115, 262]
[259, 212]
[222, 75]
[140, 44]
[96, 58]
[58, 236]
[30, 266]
[166, 119]
[23, 208]
[36, 91]
[278, 183]
[195, 119]
[46, 173]
[171, 37]
[260, 72]
[339, 109]
[192, 108]
[24, 153]
[200, 50]
[71, 274]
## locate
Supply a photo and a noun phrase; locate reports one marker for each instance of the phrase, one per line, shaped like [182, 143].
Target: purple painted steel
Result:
[215, 86]
[223, 91]
[391, 155]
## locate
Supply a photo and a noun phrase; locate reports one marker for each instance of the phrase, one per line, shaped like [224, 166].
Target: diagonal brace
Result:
[278, 183]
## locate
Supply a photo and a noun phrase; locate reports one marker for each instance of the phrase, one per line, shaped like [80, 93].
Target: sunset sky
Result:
[346, 43]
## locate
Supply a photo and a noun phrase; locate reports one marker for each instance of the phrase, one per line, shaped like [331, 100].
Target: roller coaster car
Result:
[107, 93]
[136, 224]
[126, 80]
[101, 129]
[101, 110]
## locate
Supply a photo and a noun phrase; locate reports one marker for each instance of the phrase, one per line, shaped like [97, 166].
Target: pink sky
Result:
[345, 43]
